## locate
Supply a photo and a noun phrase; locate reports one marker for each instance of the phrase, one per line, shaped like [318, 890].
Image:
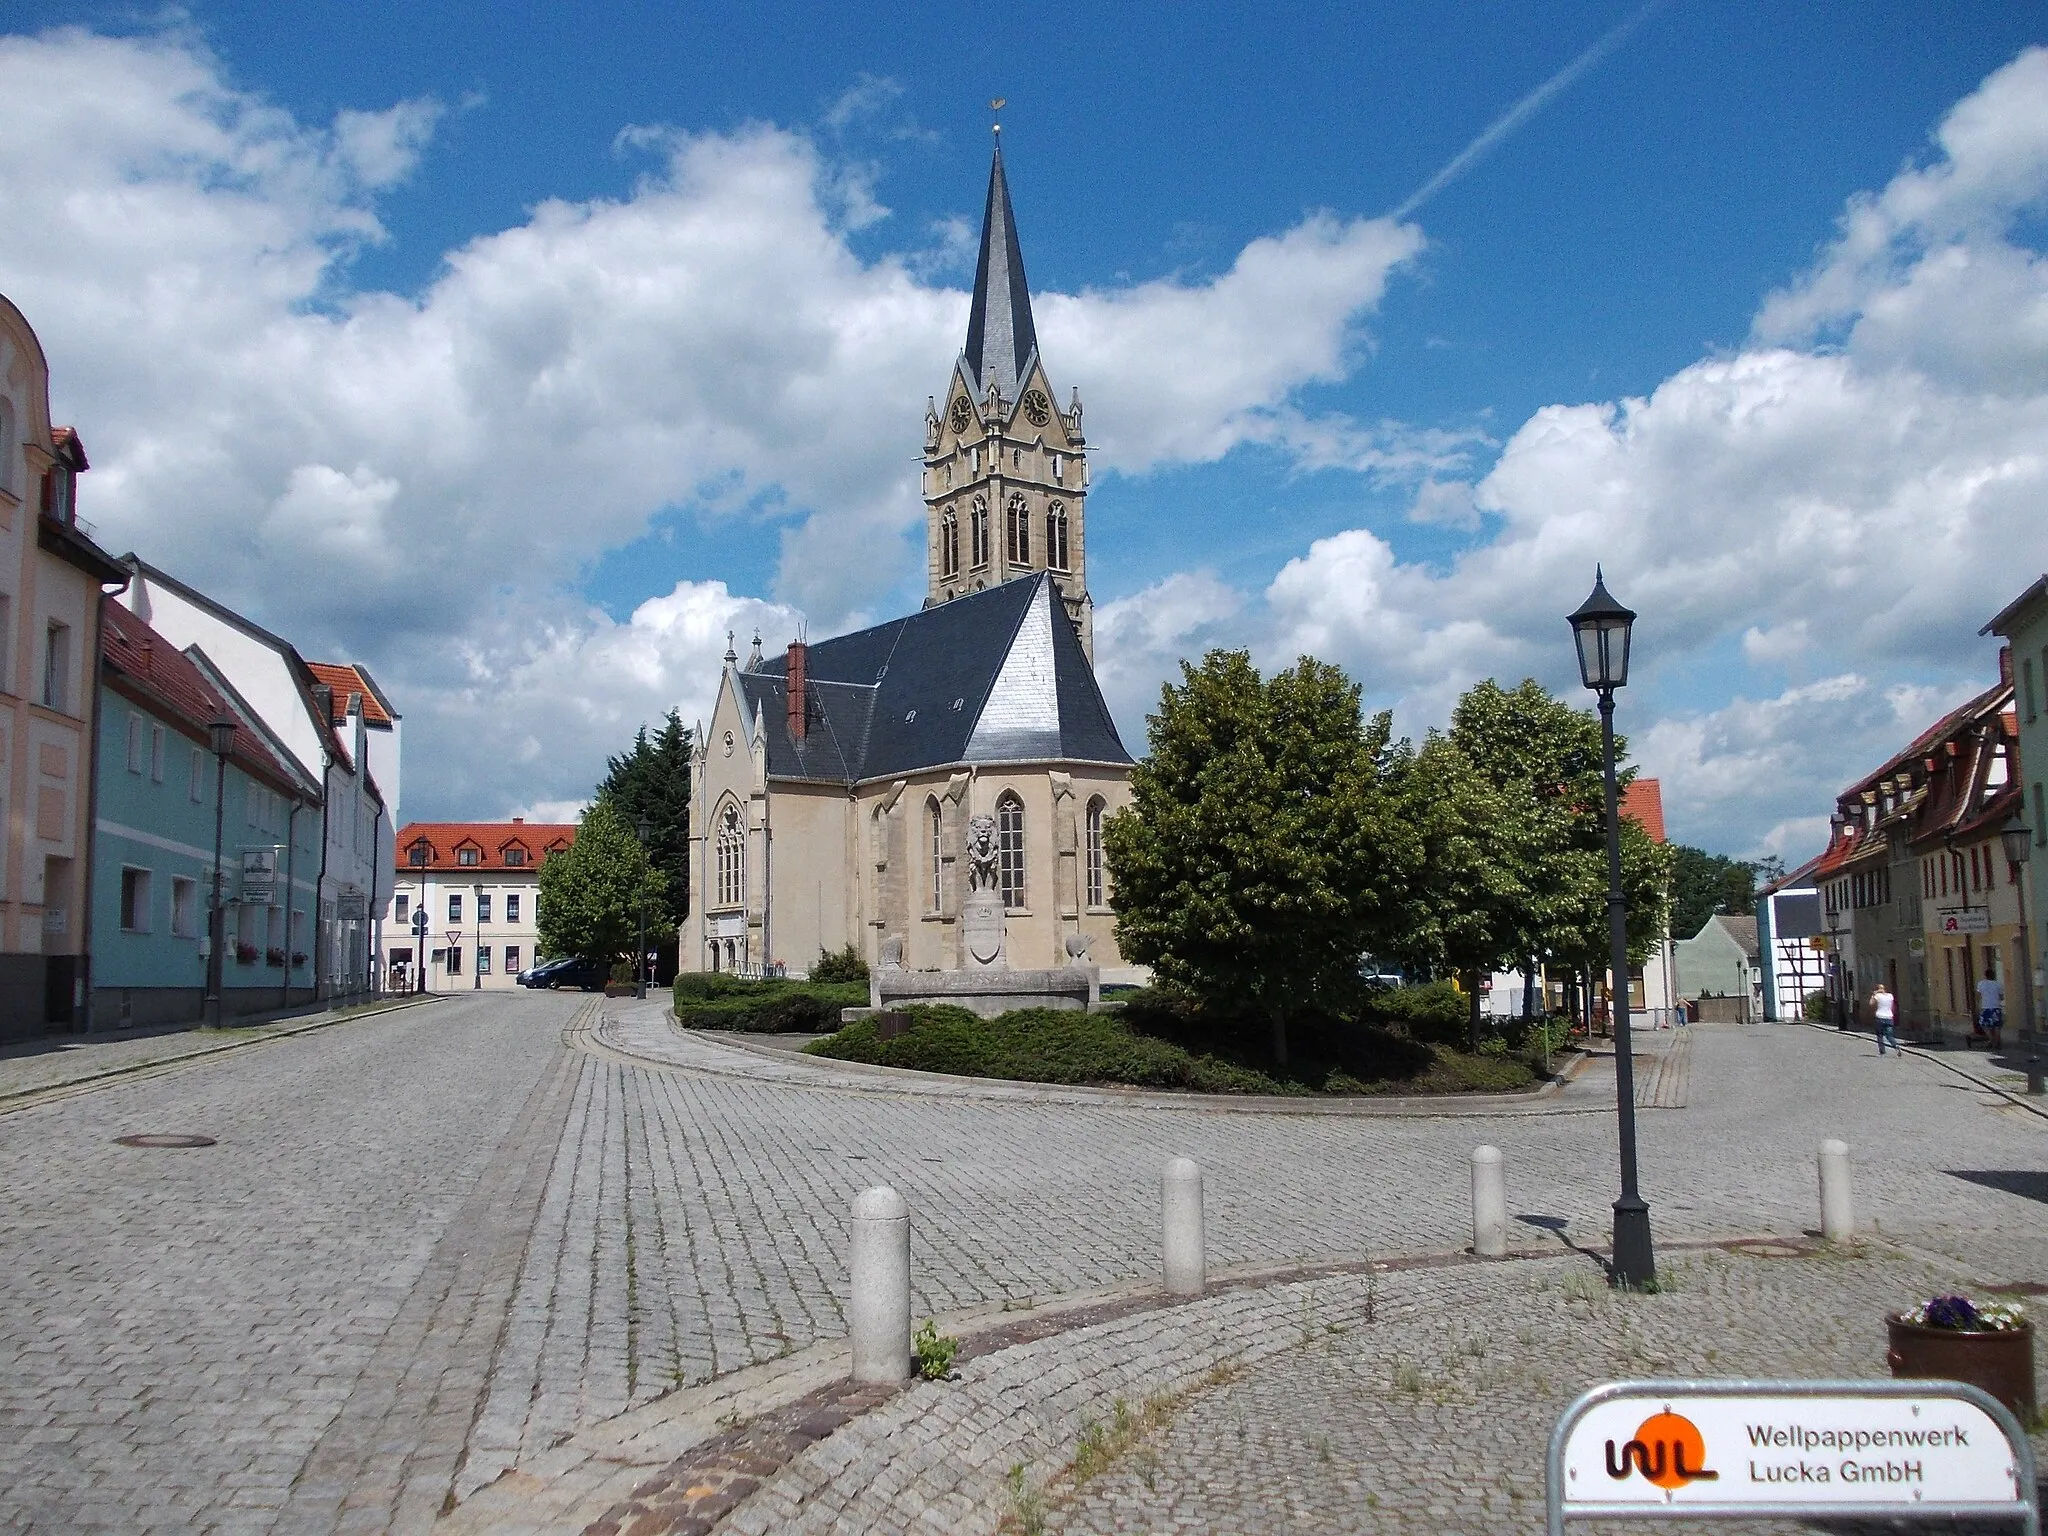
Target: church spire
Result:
[1000, 335]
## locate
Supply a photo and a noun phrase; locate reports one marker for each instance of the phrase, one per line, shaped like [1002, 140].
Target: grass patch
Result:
[715, 1000]
[1149, 1044]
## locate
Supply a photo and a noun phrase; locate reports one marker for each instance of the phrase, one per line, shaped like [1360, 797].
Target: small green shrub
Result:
[839, 966]
[1819, 1007]
[1435, 1013]
[765, 1007]
[935, 1351]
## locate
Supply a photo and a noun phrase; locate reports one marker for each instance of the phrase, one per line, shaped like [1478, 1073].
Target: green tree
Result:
[1704, 883]
[1263, 850]
[592, 893]
[652, 779]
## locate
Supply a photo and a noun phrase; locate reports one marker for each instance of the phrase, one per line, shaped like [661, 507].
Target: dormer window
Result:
[469, 856]
[419, 853]
[514, 856]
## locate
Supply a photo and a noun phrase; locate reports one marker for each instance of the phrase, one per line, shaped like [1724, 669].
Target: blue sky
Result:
[520, 351]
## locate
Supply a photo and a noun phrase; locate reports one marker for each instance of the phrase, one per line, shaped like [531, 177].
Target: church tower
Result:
[1005, 469]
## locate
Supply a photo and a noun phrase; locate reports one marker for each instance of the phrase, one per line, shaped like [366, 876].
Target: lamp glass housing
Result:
[222, 733]
[2018, 839]
[1602, 628]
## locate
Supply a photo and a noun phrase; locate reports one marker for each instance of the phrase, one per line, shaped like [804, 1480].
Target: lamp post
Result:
[2018, 840]
[221, 734]
[476, 970]
[646, 830]
[1838, 980]
[1601, 628]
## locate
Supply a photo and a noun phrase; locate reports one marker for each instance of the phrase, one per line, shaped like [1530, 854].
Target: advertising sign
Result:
[352, 907]
[1969, 920]
[1747, 1450]
[259, 876]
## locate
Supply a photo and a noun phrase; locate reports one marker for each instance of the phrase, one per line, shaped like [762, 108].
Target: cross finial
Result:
[996, 105]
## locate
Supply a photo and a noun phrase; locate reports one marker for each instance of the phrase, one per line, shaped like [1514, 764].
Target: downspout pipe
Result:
[291, 892]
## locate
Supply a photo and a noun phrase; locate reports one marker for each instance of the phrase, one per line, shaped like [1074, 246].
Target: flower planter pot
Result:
[1999, 1361]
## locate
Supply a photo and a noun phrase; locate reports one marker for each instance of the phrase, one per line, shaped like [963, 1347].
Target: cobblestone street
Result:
[430, 1247]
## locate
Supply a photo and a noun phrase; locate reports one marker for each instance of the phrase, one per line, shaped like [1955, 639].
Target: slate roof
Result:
[996, 676]
[1741, 929]
[1001, 338]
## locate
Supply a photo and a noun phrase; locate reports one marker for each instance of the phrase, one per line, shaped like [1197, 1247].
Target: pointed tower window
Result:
[949, 544]
[1019, 531]
[732, 859]
[935, 827]
[1095, 882]
[977, 532]
[1010, 849]
[1056, 537]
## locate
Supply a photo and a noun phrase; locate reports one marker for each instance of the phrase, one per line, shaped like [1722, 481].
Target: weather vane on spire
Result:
[996, 105]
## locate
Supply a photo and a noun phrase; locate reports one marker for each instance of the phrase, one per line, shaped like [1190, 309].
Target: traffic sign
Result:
[454, 937]
[419, 923]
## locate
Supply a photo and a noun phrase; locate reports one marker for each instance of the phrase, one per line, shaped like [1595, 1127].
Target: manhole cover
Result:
[1768, 1250]
[165, 1139]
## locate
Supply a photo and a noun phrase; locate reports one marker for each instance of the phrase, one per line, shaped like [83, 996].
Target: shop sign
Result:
[1692, 1450]
[1969, 920]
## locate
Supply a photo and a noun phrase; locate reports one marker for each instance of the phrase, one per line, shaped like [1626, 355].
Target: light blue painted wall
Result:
[148, 820]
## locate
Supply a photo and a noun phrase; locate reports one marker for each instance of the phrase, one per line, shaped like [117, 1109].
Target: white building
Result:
[328, 739]
[479, 884]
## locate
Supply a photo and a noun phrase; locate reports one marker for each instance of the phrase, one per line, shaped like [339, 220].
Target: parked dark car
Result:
[580, 975]
[537, 976]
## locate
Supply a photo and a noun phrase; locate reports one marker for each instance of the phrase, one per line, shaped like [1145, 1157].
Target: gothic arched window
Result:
[949, 543]
[977, 532]
[1019, 531]
[1010, 848]
[732, 859]
[1056, 537]
[935, 827]
[1095, 883]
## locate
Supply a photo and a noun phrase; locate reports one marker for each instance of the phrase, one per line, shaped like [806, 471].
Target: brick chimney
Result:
[2005, 665]
[799, 656]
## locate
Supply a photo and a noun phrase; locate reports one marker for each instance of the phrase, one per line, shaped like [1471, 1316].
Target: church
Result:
[834, 787]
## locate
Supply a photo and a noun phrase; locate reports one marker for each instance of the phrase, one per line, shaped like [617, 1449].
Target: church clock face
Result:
[1037, 409]
[962, 414]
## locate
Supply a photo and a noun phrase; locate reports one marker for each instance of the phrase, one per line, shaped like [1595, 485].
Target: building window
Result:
[483, 960]
[184, 908]
[1010, 848]
[483, 908]
[732, 859]
[1018, 531]
[135, 900]
[977, 533]
[1058, 469]
[1056, 537]
[57, 665]
[949, 544]
[419, 853]
[1095, 891]
[6, 628]
[511, 959]
[468, 856]
[935, 825]
[156, 753]
[401, 907]
[135, 743]
[454, 960]
[455, 907]
[197, 789]
[512, 908]
[514, 857]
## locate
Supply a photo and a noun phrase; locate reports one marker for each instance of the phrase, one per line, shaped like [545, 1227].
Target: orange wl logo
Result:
[1667, 1450]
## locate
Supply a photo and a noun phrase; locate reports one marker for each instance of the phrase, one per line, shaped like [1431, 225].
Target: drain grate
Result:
[165, 1139]
[1768, 1250]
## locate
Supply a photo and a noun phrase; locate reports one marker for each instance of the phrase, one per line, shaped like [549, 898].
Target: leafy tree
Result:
[653, 780]
[1264, 849]
[592, 893]
[1704, 883]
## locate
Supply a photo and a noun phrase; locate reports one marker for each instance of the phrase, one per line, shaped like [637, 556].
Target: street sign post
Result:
[1748, 1450]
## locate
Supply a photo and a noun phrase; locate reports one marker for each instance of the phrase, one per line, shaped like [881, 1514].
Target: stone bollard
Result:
[1489, 1204]
[1837, 1199]
[879, 1266]
[1180, 1201]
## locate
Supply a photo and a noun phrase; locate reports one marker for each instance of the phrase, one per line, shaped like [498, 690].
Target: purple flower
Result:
[1952, 1312]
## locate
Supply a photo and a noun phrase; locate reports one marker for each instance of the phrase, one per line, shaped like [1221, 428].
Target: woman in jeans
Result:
[1883, 1009]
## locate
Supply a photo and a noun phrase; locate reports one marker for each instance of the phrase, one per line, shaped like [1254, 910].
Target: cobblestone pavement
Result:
[51, 1062]
[244, 1336]
[1415, 1400]
[429, 1247]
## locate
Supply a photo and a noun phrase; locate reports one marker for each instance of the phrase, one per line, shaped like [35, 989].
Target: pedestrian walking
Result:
[1991, 1007]
[1883, 1012]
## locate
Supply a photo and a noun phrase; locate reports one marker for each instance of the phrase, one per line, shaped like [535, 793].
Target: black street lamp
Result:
[221, 734]
[2018, 839]
[646, 830]
[1601, 628]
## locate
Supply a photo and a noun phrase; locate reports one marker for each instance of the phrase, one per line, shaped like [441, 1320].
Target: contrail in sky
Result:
[1523, 110]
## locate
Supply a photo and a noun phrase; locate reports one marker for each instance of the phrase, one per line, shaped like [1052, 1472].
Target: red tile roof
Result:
[1643, 803]
[346, 678]
[491, 839]
[155, 673]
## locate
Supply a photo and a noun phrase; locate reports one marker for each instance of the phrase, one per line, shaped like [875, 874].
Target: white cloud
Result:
[421, 468]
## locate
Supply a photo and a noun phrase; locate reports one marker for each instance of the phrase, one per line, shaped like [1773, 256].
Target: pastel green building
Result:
[2024, 626]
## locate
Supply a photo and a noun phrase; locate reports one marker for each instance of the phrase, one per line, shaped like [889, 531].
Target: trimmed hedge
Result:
[1044, 1045]
[719, 1001]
